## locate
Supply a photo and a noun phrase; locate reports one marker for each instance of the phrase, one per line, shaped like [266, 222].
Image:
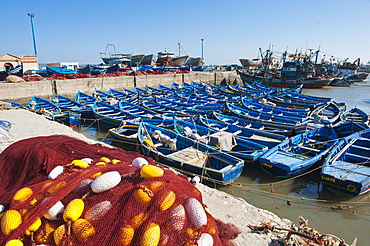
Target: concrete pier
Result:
[22, 92]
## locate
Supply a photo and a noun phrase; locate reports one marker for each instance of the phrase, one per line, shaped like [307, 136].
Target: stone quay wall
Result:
[22, 92]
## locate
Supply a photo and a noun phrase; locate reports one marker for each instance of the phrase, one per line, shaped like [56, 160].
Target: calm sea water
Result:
[346, 217]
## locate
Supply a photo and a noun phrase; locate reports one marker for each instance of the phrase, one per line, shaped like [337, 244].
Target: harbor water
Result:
[345, 217]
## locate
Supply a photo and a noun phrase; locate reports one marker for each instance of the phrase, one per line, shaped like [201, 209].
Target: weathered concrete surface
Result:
[22, 92]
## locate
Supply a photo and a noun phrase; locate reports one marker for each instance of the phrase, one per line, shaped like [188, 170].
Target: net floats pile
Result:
[109, 202]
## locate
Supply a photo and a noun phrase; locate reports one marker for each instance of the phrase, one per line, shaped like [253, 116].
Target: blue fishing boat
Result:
[356, 115]
[17, 71]
[302, 97]
[286, 130]
[264, 102]
[297, 89]
[346, 170]
[298, 154]
[129, 93]
[190, 96]
[120, 95]
[17, 105]
[282, 102]
[227, 142]
[42, 106]
[84, 99]
[264, 117]
[93, 69]
[137, 111]
[100, 95]
[160, 108]
[50, 71]
[327, 113]
[261, 137]
[52, 112]
[303, 114]
[192, 101]
[183, 154]
[108, 115]
[67, 104]
[158, 92]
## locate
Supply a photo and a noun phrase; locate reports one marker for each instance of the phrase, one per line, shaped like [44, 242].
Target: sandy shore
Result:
[223, 206]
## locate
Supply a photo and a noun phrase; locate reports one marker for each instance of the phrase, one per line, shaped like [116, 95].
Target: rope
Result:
[348, 206]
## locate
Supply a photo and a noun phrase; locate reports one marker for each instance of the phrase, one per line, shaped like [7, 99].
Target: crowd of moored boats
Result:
[216, 131]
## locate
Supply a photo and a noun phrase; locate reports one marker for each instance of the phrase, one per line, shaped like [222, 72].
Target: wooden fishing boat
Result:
[277, 101]
[346, 170]
[262, 103]
[167, 112]
[84, 99]
[187, 155]
[281, 129]
[296, 89]
[356, 115]
[137, 111]
[40, 105]
[157, 92]
[67, 104]
[306, 98]
[125, 134]
[129, 92]
[190, 101]
[108, 115]
[298, 154]
[100, 95]
[192, 108]
[50, 71]
[160, 108]
[121, 95]
[189, 96]
[228, 142]
[309, 82]
[327, 113]
[264, 117]
[261, 137]
[52, 112]
[303, 114]
[17, 105]
[17, 71]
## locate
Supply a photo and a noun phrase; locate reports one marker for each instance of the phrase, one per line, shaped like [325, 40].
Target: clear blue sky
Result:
[79, 30]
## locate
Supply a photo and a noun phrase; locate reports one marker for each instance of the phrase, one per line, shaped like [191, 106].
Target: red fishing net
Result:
[61, 76]
[106, 202]
[35, 77]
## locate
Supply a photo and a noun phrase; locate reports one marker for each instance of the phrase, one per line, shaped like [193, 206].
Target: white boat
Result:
[136, 60]
[195, 61]
[179, 61]
[149, 60]
[113, 57]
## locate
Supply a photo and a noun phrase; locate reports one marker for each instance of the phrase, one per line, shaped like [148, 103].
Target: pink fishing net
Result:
[162, 209]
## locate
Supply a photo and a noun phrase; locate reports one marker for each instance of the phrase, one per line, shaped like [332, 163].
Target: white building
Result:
[9, 61]
[68, 65]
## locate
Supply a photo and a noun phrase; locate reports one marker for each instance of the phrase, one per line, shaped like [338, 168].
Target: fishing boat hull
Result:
[345, 171]
[356, 115]
[189, 156]
[313, 83]
[126, 135]
[179, 61]
[107, 115]
[17, 71]
[300, 153]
